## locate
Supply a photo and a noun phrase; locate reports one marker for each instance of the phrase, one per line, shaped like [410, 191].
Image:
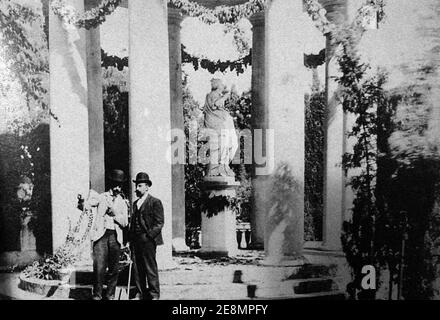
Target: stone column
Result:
[334, 178]
[96, 110]
[149, 114]
[259, 121]
[286, 76]
[178, 169]
[337, 196]
[69, 126]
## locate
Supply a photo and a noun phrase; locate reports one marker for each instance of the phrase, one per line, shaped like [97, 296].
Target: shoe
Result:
[137, 297]
[96, 298]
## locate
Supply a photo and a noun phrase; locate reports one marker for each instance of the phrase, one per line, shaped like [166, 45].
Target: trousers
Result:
[106, 254]
[145, 266]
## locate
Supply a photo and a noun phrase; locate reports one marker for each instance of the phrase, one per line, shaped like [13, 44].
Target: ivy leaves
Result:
[23, 56]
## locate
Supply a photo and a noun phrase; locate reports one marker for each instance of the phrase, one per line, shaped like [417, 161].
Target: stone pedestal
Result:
[219, 231]
[27, 238]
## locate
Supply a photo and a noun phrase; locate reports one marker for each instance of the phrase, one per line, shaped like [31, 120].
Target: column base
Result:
[256, 246]
[179, 245]
[284, 261]
[18, 258]
[165, 260]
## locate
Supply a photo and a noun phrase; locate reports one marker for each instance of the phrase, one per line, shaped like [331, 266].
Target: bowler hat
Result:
[117, 175]
[143, 177]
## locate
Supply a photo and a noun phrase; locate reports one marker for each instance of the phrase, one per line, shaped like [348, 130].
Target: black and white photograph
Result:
[248, 151]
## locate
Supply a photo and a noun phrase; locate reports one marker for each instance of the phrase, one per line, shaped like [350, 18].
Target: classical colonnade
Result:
[155, 106]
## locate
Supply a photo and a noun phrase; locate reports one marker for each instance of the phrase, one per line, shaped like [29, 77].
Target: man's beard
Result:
[138, 194]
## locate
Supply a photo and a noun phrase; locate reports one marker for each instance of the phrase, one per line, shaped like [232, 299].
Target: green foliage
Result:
[116, 132]
[314, 166]
[396, 183]
[50, 266]
[212, 205]
[362, 97]
[24, 149]
[24, 55]
[413, 192]
[284, 194]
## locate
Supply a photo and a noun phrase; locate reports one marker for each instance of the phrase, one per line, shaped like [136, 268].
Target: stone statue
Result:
[218, 120]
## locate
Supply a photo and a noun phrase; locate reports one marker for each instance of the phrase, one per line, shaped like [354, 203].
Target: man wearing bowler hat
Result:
[146, 235]
[107, 236]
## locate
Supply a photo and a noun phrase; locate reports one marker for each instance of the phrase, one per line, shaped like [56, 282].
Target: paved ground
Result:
[199, 277]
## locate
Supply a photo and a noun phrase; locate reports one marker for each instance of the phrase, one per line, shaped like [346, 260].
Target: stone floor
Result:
[198, 277]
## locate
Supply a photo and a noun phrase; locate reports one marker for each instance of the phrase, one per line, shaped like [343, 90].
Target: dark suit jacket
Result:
[151, 218]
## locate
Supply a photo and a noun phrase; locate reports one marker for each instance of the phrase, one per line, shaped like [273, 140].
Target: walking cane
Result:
[130, 263]
[129, 279]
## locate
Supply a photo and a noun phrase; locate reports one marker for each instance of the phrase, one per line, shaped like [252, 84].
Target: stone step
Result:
[315, 285]
[288, 289]
[314, 271]
[330, 295]
[234, 291]
[75, 292]
[220, 274]
[85, 292]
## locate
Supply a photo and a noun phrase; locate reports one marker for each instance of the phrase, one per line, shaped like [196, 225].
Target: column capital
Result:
[258, 19]
[336, 10]
[175, 16]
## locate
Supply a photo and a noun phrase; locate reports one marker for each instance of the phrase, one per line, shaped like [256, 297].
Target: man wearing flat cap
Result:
[145, 235]
[107, 236]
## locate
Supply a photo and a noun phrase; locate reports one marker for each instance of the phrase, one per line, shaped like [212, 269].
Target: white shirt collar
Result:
[141, 200]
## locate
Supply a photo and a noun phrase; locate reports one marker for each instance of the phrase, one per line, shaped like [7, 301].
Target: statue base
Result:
[219, 231]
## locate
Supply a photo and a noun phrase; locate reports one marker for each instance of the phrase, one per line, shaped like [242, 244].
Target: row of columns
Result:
[277, 96]
[156, 107]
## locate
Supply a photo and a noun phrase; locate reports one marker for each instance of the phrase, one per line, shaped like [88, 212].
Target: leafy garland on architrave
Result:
[108, 61]
[89, 19]
[220, 14]
[310, 61]
[94, 17]
[213, 66]
[318, 14]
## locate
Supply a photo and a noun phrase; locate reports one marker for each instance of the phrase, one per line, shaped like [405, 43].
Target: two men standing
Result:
[147, 221]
